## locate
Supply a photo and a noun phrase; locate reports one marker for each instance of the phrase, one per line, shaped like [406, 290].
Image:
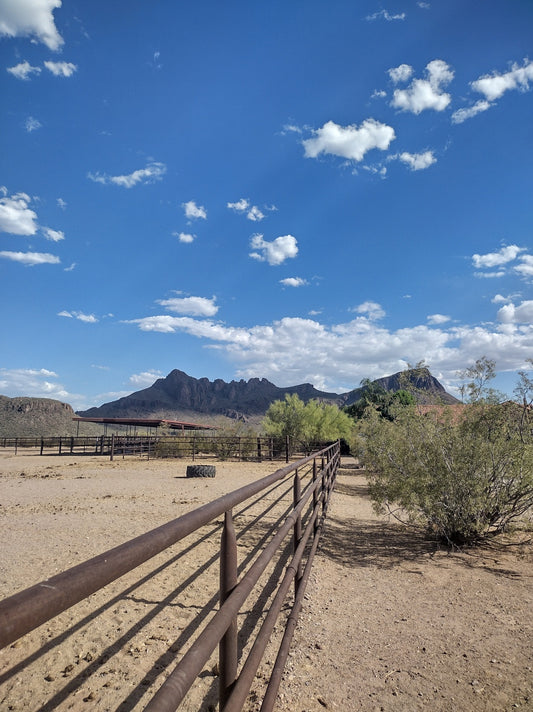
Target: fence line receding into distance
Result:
[290, 540]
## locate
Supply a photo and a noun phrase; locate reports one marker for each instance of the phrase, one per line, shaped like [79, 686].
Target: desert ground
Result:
[391, 621]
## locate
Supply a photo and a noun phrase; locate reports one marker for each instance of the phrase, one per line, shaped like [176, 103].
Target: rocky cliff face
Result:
[31, 417]
[178, 392]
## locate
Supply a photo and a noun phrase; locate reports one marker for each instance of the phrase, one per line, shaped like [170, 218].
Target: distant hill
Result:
[170, 397]
[28, 417]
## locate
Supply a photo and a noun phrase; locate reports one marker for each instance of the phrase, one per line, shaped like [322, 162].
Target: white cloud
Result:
[506, 254]
[463, 114]
[86, 318]
[36, 383]
[401, 73]
[184, 237]
[61, 69]
[146, 378]
[416, 161]
[153, 172]
[193, 211]
[53, 235]
[243, 206]
[275, 252]
[295, 350]
[61, 203]
[378, 94]
[427, 93]
[71, 267]
[16, 217]
[30, 18]
[293, 282]
[23, 70]
[31, 258]
[489, 275]
[32, 124]
[385, 15]
[525, 269]
[438, 319]
[521, 314]
[192, 306]
[494, 85]
[350, 142]
[372, 310]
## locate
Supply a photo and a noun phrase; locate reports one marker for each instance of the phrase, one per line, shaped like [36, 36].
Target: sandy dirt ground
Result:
[390, 620]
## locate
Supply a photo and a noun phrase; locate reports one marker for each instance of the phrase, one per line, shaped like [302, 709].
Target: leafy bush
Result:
[464, 477]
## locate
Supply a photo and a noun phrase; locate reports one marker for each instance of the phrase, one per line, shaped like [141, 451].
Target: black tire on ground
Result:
[201, 470]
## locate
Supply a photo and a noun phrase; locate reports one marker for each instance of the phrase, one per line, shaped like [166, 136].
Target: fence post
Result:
[71, 444]
[111, 456]
[286, 448]
[315, 498]
[259, 450]
[60, 444]
[42, 445]
[227, 648]
[297, 491]
[193, 446]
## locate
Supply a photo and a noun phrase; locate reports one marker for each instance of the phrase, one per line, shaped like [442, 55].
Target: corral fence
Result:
[193, 447]
[303, 490]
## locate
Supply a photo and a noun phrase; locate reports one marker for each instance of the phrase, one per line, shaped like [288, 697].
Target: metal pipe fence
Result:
[291, 540]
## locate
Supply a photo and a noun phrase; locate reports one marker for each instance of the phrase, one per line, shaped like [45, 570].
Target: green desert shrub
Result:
[463, 476]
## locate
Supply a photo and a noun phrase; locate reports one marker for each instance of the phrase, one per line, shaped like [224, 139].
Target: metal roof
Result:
[147, 422]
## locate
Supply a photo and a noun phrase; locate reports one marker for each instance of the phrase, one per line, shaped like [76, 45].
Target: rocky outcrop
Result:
[34, 417]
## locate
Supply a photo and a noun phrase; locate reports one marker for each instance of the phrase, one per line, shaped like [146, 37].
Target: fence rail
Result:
[295, 536]
[190, 446]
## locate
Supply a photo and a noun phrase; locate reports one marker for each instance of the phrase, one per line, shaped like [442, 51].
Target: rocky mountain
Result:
[179, 393]
[29, 417]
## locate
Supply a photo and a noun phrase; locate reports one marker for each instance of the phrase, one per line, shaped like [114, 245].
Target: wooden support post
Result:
[297, 529]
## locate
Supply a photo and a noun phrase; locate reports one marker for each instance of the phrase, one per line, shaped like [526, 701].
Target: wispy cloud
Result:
[31, 259]
[185, 237]
[145, 378]
[506, 254]
[386, 15]
[152, 173]
[435, 319]
[371, 310]
[16, 217]
[32, 124]
[416, 161]
[53, 235]
[81, 316]
[275, 252]
[423, 94]
[468, 113]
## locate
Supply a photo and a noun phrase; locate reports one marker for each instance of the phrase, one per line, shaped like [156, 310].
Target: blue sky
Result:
[307, 192]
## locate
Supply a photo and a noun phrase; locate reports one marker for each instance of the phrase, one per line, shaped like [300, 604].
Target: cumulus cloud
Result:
[385, 15]
[467, 113]
[416, 161]
[23, 70]
[86, 318]
[506, 254]
[252, 211]
[31, 18]
[31, 258]
[351, 142]
[33, 382]
[520, 314]
[193, 211]
[426, 93]
[525, 268]
[61, 203]
[53, 235]
[494, 85]
[293, 282]
[61, 69]
[192, 306]
[438, 319]
[146, 378]
[372, 310]
[16, 217]
[335, 357]
[153, 172]
[275, 252]
[401, 74]
[184, 237]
